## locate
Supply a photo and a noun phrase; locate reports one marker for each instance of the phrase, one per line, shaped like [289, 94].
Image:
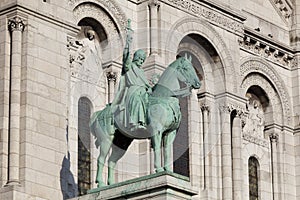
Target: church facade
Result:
[61, 60]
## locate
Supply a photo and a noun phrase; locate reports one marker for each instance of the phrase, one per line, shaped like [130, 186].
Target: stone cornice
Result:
[267, 48]
[212, 12]
[26, 11]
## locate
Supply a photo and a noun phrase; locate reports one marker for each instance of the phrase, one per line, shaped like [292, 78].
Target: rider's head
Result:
[139, 57]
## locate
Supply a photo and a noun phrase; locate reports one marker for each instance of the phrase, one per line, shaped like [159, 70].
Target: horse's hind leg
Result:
[168, 141]
[104, 149]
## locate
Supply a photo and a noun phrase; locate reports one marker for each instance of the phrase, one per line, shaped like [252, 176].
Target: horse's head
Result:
[187, 73]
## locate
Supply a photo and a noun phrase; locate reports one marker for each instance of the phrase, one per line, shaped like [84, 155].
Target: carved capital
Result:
[204, 107]
[274, 137]
[111, 76]
[16, 24]
[226, 108]
[154, 3]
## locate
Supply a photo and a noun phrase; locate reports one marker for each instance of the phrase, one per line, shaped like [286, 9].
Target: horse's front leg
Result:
[168, 141]
[156, 143]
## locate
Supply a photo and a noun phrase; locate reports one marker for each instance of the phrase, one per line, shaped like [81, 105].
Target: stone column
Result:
[16, 27]
[274, 163]
[153, 7]
[111, 79]
[202, 167]
[205, 113]
[237, 175]
[226, 153]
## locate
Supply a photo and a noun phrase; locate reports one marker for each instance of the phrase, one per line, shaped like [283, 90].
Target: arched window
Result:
[253, 167]
[84, 157]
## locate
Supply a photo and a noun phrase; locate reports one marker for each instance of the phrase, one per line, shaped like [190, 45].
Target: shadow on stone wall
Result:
[67, 182]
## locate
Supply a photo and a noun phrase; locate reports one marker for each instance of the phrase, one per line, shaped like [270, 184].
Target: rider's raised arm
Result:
[127, 49]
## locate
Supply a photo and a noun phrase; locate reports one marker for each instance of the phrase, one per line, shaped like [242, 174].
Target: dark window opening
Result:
[253, 166]
[84, 157]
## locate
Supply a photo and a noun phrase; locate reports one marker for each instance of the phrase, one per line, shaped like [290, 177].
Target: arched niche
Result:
[206, 61]
[207, 37]
[107, 20]
[91, 23]
[106, 12]
[257, 88]
[256, 71]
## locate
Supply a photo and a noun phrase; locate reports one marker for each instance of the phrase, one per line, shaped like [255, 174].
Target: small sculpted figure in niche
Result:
[89, 54]
[255, 120]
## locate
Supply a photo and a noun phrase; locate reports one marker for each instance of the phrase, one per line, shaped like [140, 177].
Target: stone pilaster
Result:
[16, 27]
[111, 80]
[153, 7]
[201, 139]
[237, 156]
[226, 153]
[274, 163]
[205, 117]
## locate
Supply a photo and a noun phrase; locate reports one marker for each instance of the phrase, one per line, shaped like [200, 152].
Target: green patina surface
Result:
[139, 111]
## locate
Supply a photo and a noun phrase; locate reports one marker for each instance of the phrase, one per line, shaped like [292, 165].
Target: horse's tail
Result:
[102, 124]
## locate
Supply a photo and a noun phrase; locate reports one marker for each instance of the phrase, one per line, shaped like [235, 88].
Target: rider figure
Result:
[137, 85]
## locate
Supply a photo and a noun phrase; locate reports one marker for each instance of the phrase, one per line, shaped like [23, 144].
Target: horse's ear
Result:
[185, 56]
[190, 58]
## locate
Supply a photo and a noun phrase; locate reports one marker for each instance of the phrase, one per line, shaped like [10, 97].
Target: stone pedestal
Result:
[159, 186]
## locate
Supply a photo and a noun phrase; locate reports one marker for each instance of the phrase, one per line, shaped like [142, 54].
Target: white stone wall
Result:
[244, 57]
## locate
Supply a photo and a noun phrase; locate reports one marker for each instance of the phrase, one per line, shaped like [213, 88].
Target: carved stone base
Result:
[159, 186]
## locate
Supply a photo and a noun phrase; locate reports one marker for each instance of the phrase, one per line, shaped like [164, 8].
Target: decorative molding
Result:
[254, 65]
[110, 6]
[283, 8]
[267, 51]
[256, 140]
[229, 107]
[16, 24]
[200, 10]
[295, 62]
[92, 10]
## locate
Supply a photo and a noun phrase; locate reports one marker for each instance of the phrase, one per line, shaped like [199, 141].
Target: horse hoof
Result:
[159, 170]
[100, 184]
[168, 169]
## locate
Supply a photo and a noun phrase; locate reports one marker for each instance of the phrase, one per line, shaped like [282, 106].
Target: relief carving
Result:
[109, 5]
[254, 122]
[199, 10]
[85, 58]
[255, 65]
